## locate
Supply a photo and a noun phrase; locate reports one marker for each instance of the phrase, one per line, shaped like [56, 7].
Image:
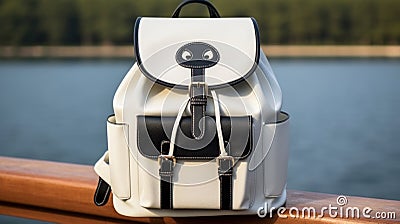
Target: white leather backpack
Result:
[198, 128]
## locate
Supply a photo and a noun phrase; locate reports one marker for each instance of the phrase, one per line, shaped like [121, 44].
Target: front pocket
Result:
[117, 138]
[196, 185]
[196, 182]
[276, 143]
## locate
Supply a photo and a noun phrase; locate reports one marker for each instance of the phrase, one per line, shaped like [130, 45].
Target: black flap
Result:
[154, 135]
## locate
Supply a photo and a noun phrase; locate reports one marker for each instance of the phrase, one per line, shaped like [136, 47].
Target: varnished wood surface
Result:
[386, 51]
[63, 193]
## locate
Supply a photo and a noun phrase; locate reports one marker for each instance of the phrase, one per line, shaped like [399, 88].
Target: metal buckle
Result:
[226, 158]
[198, 85]
[222, 170]
[166, 157]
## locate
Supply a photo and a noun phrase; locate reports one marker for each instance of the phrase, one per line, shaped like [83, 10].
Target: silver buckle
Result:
[198, 85]
[226, 158]
[160, 157]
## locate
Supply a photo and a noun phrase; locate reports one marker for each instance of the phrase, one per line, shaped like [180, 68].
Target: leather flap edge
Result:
[153, 136]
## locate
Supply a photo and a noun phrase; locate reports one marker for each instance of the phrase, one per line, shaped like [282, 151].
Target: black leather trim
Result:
[196, 56]
[198, 112]
[136, 46]
[102, 193]
[282, 117]
[225, 172]
[171, 85]
[166, 183]
[211, 8]
[152, 135]
[111, 122]
[257, 32]
[198, 102]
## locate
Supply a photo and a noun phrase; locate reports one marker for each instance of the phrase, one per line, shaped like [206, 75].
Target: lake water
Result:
[345, 125]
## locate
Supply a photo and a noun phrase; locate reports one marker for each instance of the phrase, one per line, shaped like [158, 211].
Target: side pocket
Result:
[276, 139]
[118, 147]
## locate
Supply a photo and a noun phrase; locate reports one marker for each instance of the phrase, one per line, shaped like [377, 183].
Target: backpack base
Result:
[133, 209]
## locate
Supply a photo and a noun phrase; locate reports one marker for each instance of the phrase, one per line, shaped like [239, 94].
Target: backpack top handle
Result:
[211, 9]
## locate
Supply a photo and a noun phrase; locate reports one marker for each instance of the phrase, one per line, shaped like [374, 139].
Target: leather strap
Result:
[166, 172]
[211, 9]
[167, 163]
[198, 102]
[225, 172]
[102, 193]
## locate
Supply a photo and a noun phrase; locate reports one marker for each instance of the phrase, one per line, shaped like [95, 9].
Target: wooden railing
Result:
[63, 193]
[384, 51]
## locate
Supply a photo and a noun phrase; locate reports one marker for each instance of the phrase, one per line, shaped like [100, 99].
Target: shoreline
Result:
[290, 51]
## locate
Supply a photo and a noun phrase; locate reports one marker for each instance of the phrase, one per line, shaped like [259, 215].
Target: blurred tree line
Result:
[94, 22]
